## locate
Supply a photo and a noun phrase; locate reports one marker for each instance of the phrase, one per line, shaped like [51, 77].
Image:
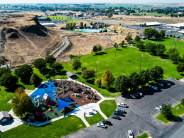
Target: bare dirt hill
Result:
[24, 39]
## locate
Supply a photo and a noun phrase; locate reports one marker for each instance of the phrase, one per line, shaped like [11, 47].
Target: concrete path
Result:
[11, 124]
[109, 38]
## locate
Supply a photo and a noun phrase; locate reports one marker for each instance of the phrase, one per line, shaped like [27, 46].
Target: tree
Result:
[140, 45]
[167, 111]
[35, 80]
[160, 49]
[114, 31]
[149, 32]
[151, 47]
[85, 25]
[8, 80]
[21, 104]
[156, 34]
[107, 79]
[95, 49]
[57, 66]
[122, 44]
[156, 73]
[109, 15]
[182, 101]
[116, 45]
[47, 76]
[81, 24]
[24, 72]
[76, 64]
[134, 81]
[91, 23]
[144, 77]
[180, 67]
[88, 73]
[19, 90]
[99, 47]
[122, 84]
[137, 38]
[84, 67]
[4, 71]
[128, 38]
[50, 59]
[97, 82]
[162, 33]
[39, 63]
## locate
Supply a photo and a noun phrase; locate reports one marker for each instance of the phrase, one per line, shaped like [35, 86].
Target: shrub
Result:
[182, 101]
[97, 82]
[35, 80]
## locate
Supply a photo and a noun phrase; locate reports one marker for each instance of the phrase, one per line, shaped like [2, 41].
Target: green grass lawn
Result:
[144, 135]
[108, 107]
[177, 111]
[70, 20]
[55, 129]
[94, 119]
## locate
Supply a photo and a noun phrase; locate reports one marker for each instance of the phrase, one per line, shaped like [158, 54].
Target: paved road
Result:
[139, 116]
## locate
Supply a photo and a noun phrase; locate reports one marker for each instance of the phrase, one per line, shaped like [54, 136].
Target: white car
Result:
[158, 109]
[101, 125]
[122, 105]
[130, 134]
[133, 96]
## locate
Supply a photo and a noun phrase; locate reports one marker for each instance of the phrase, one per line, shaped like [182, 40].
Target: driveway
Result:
[139, 116]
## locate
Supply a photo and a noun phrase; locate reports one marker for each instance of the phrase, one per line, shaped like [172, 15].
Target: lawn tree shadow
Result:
[91, 81]
[100, 53]
[119, 49]
[113, 90]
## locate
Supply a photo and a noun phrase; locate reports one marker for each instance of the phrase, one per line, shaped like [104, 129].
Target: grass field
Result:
[177, 111]
[55, 129]
[70, 20]
[156, 14]
[144, 135]
[94, 119]
[108, 107]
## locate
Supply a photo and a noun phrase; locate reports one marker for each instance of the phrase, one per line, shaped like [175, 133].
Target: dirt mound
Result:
[12, 35]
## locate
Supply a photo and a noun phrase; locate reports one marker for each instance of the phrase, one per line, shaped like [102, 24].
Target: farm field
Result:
[70, 20]
[152, 14]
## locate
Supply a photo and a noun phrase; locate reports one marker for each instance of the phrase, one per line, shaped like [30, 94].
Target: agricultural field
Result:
[70, 20]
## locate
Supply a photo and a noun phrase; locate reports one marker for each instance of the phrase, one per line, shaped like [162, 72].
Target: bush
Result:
[50, 59]
[35, 80]
[47, 76]
[167, 111]
[57, 66]
[4, 71]
[8, 80]
[39, 63]
[182, 101]
[84, 67]
[97, 82]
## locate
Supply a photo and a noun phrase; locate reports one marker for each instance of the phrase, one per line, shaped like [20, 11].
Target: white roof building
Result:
[150, 23]
[48, 24]
[176, 26]
[181, 32]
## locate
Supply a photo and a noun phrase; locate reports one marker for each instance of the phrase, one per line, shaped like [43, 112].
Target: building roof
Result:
[182, 32]
[4, 114]
[176, 25]
[69, 74]
[149, 23]
[47, 24]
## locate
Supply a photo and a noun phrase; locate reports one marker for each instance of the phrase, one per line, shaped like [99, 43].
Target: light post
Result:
[96, 69]
[115, 50]
[79, 55]
[140, 61]
[101, 87]
[77, 75]
[175, 42]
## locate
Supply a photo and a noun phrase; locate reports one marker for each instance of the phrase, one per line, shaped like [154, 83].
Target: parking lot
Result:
[139, 116]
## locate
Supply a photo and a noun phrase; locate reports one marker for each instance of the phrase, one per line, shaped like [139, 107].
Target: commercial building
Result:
[181, 32]
[48, 24]
[149, 24]
[178, 26]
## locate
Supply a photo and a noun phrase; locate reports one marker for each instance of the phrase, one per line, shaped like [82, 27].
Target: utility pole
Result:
[140, 61]
[96, 69]
[79, 55]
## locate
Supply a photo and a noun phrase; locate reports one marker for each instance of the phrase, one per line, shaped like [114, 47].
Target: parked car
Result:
[154, 87]
[140, 94]
[130, 134]
[101, 125]
[120, 109]
[132, 96]
[118, 113]
[107, 122]
[116, 117]
[158, 109]
[122, 105]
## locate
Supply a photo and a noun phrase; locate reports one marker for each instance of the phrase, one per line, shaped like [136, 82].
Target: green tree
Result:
[19, 90]
[151, 47]
[114, 31]
[97, 82]
[8, 80]
[24, 72]
[157, 34]
[95, 49]
[88, 73]
[4, 71]
[160, 49]
[99, 48]
[35, 80]
[128, 38]
[144, 77]
[84, 67]
[156, 73]
[47, 76]
[167, 111]
[50, 59]
[122, 84]
[21, 104]
[85, 25]
[57, 66]
[109, 15]
[180, 67]
[91, 23]
[39, 63]
[76, 64]
[107, 79]
[122, 44]
[162, 33]
[134, 81]
[182, 101]
[140, 45]
[149, 32]
[137, 38]
[81, 24]
[116, 45]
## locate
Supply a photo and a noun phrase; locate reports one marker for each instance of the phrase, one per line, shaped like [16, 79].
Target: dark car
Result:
[118, 113]
[107, 122]
[116, 117]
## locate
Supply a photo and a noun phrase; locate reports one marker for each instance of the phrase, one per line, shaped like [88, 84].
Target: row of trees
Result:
[70, 26]
[152, 32]
[123, 84]
[97, 48]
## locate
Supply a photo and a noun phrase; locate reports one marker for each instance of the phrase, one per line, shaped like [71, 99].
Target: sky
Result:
[91, 1]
